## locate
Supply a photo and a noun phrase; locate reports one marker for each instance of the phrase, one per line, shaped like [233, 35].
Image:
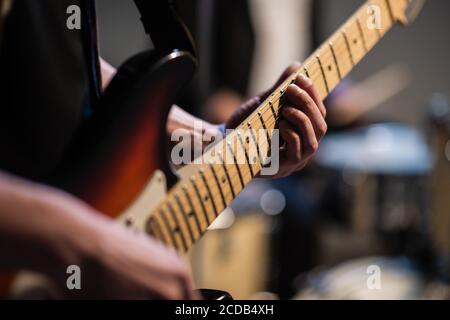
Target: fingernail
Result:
[297, 89]
[305, 79]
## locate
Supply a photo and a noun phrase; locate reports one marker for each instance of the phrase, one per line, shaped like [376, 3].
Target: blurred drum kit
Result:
[385, 166]
[400, 182]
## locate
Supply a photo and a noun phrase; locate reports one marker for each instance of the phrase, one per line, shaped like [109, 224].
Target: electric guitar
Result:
[117, 163]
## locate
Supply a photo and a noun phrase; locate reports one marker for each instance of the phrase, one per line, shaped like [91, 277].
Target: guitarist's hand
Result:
[135, 266]
[44, 230]
[302, 124]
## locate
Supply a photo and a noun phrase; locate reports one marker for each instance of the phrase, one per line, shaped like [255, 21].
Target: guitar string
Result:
[247, 172]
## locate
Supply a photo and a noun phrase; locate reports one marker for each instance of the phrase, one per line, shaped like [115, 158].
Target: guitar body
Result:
[118, 162]
[124, 143]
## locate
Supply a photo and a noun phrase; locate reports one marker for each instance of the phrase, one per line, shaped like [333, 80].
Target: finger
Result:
[191, 294]
[306, 84]
[187, 283]
[293, 143]
[294, 67]
[302, 125]
[243, 112]
[303, 102]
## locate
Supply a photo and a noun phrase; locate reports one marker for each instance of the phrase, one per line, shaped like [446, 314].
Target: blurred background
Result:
[376, 199]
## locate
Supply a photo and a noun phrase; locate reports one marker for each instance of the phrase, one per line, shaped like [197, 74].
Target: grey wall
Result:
[120, 30]
[424, 47]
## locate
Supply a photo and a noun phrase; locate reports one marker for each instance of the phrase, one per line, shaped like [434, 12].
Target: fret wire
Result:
[191, 204]
[252, 133]
[168, 228]
[210, 206]
[335, 61]
[225, 169]
[208, 189]
[236, 164]
[327, 87]
[245, 152]
[391, 13]
[165, 231]
[187, 215]
[379, 35]
[307, 72]
[348, 48]
[264, 127]
[219, 185]
[200, 200]
[177, 225]
[370, 34]
[358, 22]
[271, 108]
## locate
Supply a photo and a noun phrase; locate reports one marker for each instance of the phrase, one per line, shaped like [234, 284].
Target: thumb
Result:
[246, 109]
[243, 112]
[294, 67]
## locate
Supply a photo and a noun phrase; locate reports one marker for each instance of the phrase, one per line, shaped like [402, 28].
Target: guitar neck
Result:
[195, 202]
